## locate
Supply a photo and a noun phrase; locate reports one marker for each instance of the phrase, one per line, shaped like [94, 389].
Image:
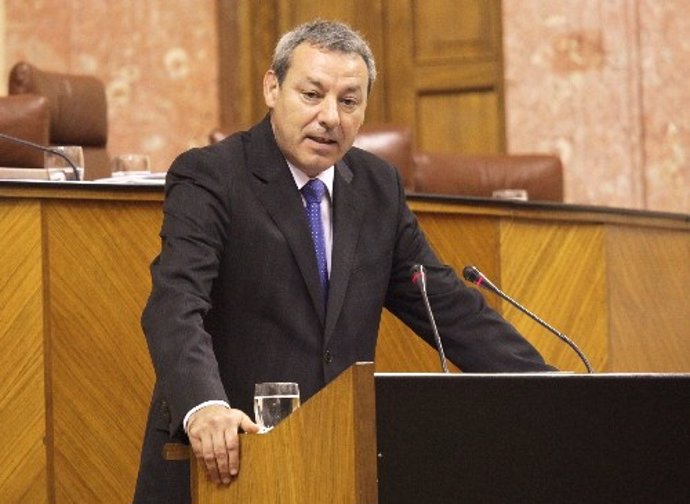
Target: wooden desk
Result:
[75, 375]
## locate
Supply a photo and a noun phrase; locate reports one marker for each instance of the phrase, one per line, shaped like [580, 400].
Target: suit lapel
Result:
[346, 226]
[275, 188]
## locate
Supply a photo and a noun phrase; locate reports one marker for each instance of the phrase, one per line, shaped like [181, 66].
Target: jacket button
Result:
[327, 357]
[165, 411]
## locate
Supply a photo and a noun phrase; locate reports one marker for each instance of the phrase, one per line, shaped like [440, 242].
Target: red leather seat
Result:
[78, 112]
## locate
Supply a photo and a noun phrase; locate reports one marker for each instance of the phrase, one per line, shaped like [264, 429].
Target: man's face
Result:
[317, 111]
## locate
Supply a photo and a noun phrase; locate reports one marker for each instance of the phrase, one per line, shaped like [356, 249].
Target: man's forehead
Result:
[308, 63]
[305, 48]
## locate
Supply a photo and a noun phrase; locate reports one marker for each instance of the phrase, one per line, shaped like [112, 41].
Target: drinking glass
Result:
[129, 164]
[273, 402]
[53, 161]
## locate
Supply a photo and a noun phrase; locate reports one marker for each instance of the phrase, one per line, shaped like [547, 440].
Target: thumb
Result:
[247, 425]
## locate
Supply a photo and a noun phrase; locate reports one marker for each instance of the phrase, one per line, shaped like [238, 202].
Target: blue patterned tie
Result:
[313, 191]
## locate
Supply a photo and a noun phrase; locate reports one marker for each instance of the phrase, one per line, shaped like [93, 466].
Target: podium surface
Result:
[546, 438]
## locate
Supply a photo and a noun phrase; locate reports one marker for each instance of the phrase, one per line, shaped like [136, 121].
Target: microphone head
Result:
[472, 274]
[416, 272]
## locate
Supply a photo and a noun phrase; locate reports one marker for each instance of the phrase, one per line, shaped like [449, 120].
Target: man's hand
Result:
[213, 435]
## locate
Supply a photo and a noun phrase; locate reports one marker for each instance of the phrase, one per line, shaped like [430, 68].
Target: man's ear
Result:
[271, 88]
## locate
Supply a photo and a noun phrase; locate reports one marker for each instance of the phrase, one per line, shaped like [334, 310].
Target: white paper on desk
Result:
[137, 178]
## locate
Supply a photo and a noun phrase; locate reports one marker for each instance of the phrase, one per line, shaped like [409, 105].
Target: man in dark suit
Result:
[255, 282]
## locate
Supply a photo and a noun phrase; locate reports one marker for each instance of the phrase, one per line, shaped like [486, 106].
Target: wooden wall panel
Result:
[648, 278]
[102, 374]
[459, 122]
[443, 60]
[23, 466]
[455, 30]
[558, 273]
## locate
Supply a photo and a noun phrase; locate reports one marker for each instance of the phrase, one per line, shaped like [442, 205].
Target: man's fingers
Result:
[247, 425]
[232, 444]
[221, 455]
[208, 459]
[215, 442]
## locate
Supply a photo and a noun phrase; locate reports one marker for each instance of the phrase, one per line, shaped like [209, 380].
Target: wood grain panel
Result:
[102, 375]
[23, 471]
[648, 279]
[557, 272]
[455, 30]
[459, 122]
[326, 452]
[445, 59]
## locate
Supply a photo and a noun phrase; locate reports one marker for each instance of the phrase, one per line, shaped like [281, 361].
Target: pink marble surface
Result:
[665, 64]
[602, 83]
[157, 58]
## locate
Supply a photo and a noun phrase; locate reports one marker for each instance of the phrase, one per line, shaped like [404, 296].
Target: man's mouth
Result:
[322, 140]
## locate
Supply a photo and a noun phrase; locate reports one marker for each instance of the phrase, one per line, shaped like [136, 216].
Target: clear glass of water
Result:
[131, 164]
[273, 402]
[55, 161]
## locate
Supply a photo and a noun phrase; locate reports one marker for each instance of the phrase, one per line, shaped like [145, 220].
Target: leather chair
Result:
[541, 175]
[26, 117]
[78, 112]
[392, 143]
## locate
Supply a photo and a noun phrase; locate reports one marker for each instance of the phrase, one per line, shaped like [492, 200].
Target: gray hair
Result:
[327, 35]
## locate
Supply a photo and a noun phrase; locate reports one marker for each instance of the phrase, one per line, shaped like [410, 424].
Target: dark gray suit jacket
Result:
[236, 300]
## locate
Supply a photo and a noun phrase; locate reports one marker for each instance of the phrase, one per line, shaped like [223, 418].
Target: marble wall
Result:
[157, 58]
[601, 82]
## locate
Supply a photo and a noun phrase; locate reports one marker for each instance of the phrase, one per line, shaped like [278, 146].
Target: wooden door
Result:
[443, 60]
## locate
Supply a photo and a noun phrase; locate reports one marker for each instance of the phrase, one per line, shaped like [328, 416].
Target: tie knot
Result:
[313, 191]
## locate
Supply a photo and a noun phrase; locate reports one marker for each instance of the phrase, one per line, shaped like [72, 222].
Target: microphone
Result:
[419, 279]
[44, 149]
[473, 275]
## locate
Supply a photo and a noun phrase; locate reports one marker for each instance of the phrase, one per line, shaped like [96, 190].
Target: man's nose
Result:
[328, 114]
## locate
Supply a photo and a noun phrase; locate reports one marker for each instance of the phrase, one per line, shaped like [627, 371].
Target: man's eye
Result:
[310, 95]
[349, 102]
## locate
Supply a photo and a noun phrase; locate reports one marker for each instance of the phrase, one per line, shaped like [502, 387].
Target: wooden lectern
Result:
[494, 438]
[323, 452]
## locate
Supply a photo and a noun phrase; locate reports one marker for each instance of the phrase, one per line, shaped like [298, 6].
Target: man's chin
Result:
[315, 165]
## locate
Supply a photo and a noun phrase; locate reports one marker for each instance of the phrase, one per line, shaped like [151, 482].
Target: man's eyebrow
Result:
[353, 89]
[315, 82]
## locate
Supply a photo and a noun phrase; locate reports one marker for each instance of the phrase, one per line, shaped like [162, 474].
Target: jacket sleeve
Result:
[195, 222]
[474, 336]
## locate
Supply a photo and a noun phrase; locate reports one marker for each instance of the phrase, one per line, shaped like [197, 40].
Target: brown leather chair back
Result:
[541, 175]
[78, 111]
[26, 117]
[392, 143]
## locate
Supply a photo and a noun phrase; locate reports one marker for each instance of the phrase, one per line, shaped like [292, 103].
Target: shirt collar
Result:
[302, 178]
